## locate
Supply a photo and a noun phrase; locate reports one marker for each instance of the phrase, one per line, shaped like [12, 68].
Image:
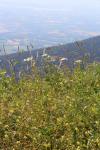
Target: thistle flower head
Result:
[64, 59]
[78, 61]
[45, 55]
[28, 59]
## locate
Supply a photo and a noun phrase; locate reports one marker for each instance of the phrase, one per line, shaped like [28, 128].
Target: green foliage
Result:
[58, 112]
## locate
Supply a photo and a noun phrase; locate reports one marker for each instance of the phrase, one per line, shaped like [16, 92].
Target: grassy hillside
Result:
[60, 111]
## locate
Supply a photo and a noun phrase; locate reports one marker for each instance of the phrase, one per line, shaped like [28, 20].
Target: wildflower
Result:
[25, 137]
[14, 133]
[45, 55]
[78, 61]
[78, 148]
[76, 129]
[62, 137]
[18, 142]
[3, 72]
[47, 145]
[17, 120]
[64, 59]
[87, 133]
[97, 140]
[6, 136]
[6, 126]
[59, 120]
[97, 122]
[28, 59]
[78, 143]
[66, 124]
[11, 110]
[68, 97]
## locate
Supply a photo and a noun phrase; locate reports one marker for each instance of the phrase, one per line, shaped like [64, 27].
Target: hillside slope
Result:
[72, 51]
[77, 49]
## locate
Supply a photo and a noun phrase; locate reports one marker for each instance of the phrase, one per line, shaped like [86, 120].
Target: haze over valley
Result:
[47, 23]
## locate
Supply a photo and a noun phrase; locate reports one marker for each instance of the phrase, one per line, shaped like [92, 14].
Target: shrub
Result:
[60, 111]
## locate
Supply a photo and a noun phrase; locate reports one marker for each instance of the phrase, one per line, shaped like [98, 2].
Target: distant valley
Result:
[44, 27]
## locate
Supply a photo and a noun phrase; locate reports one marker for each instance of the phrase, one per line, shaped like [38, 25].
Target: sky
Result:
[54, 3]
[74, 6]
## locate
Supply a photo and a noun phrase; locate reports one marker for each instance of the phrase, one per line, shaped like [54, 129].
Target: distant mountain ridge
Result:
[78, 49]
[72, 51]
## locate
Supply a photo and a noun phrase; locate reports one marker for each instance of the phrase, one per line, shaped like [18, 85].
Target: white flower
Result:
[45, 55]
[28, 59]
[64, 59]
[78, 61]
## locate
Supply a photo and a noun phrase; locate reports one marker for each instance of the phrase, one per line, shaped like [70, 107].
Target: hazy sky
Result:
[75, 7]
[91, 4]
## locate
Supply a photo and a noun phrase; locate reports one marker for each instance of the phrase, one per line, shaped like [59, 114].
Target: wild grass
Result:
[60, 111]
